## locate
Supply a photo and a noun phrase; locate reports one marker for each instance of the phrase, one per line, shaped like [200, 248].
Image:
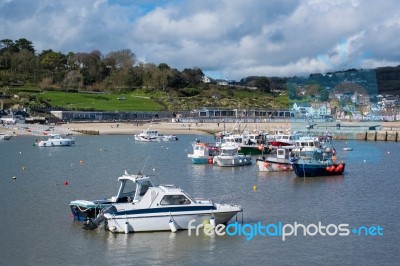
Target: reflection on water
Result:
[39, 231]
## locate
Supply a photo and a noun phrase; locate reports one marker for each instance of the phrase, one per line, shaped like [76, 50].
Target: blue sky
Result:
[231, 39]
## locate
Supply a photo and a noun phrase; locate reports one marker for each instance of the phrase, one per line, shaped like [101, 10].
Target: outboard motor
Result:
[92, 224]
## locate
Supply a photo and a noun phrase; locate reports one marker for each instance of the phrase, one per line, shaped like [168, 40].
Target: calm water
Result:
[36, 228]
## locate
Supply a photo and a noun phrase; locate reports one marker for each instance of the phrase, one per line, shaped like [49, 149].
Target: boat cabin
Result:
[132, 188]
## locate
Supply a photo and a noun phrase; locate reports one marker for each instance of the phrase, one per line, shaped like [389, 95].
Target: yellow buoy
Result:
[254, 187]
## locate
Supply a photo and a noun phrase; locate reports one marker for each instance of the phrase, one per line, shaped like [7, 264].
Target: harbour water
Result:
[36, 227]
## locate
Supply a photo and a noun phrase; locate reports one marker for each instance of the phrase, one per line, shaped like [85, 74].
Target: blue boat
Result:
[322, 162]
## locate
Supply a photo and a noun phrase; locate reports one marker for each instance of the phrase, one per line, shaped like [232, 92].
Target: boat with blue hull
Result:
[321, 163]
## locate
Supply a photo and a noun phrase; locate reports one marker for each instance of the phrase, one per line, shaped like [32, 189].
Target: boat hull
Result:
[55, 143]
[273, 166]
[232, 160]
[202, 160]
[315, 169]
[253, 150]
[160, 221]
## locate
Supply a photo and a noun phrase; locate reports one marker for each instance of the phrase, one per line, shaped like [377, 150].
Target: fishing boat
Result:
[131, 189]
[149, 135]
[281, 157]
[249, 143]
[229, 156]
[280, 139]
[278, 160]
[55, 140]
[163, 208]
[322, 162]
[203, 153]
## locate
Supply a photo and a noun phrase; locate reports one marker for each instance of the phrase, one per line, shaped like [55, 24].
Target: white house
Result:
[311, 110]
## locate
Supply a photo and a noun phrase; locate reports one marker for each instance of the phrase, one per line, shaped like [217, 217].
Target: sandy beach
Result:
[175, 128]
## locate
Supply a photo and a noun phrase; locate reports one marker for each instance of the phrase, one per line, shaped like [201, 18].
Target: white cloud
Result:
[232, 37]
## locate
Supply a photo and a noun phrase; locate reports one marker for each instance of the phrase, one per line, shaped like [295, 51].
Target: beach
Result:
[127, 128]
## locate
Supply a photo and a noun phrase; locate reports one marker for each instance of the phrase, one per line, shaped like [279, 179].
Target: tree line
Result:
[116, 71]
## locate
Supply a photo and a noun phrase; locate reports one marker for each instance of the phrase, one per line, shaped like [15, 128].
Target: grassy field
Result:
[145, 101]
[105, 102]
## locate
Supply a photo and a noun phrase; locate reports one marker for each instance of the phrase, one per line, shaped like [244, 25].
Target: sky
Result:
[227, 39]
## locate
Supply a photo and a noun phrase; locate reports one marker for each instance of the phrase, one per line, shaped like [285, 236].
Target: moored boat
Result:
[322, 162]
[278, 160]
[203, 153]
[281, 139]
[162, 208]
[249, 143]
[149, 135]
[55, 140]
[229, 156]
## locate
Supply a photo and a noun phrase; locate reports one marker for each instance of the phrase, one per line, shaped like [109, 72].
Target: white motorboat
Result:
[55, 140]
[203, 153]
[152, 135]
[229, 156]
[4, 136]
[162, 208]
[131, 189]
[278, 160]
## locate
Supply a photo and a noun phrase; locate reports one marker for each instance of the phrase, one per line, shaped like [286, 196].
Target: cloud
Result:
[231, 37]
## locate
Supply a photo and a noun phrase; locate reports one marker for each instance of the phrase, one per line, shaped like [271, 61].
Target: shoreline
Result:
[171, 128]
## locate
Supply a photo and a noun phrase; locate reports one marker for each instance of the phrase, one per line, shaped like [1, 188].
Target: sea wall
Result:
[381, 135]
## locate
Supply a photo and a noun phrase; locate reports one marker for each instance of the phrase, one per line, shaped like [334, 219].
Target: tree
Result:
[24, 44]
[91, 66]
[24, 63]
[123, 58]
[263, 84]
[193, 76]
[73, 80]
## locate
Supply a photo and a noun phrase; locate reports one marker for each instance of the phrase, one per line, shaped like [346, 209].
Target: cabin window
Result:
[174, 200]
[145, 186]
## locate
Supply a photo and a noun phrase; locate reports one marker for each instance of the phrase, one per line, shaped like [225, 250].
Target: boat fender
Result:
[172, 225]
[212, 221]
[126, 227]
